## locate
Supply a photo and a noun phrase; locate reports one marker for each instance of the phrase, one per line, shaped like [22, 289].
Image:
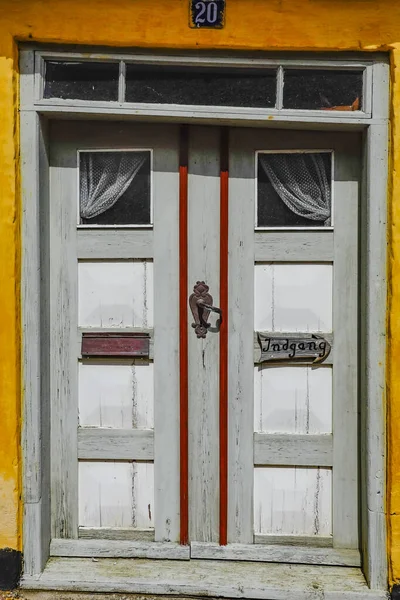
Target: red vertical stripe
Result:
[183, 334]
[223, 340]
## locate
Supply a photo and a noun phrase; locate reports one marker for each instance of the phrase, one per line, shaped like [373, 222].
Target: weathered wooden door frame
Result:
[36, 409]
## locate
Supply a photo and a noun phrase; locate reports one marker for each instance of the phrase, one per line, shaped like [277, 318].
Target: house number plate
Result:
[207, 13]
[305, 348]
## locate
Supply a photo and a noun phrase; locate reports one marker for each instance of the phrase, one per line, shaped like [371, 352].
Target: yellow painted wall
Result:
[250, 24]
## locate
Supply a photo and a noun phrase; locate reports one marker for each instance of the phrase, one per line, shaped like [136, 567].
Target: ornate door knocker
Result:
[200, 303]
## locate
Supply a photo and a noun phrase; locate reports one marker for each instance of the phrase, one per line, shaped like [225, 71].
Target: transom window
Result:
[256, 83]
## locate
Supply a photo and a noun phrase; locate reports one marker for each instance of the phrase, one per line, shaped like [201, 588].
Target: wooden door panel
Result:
[293, 501]
[115, 294]
[118, 477]
[299, 276]
[115, 394]
[293, 297]
[292, 399]
[116, 494]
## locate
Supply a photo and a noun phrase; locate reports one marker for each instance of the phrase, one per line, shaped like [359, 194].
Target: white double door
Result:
[139, 442]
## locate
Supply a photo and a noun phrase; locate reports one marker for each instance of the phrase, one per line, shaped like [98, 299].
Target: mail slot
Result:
[122, 345]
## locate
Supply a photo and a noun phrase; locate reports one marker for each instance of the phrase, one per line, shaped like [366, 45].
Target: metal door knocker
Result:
[200, 303]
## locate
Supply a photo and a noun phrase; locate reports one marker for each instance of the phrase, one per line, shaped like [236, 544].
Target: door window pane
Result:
[201, 86]
[294, 189]
[81, 81]
[115, 188]
[322, 89]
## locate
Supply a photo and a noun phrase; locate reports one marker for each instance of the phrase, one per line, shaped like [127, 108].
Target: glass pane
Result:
[205, 86]
[322, 90]
[294, 189]
[81, 81]
[115, 188]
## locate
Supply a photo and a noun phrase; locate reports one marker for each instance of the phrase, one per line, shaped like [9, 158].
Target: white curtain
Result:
[301, 181]
[104, 177]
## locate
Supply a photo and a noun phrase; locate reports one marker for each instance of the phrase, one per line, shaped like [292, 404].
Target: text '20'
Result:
[207, 13]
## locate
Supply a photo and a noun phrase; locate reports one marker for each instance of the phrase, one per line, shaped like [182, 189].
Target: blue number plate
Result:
[207, 13]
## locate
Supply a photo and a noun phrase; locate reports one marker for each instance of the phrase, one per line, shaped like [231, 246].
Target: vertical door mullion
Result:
[203, 260]
[241, 340]
[63, 318]
[166, 335]
[345, 330]
[183, 334]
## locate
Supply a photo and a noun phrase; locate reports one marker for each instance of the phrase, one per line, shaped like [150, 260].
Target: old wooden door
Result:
[197, 441]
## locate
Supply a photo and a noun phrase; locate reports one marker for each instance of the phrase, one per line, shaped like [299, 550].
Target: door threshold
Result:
[202, 578]
[277, 553]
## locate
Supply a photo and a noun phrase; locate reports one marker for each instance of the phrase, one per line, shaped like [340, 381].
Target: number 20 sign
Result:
[207, 13]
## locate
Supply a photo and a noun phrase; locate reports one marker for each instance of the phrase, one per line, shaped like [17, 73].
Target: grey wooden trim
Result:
[381, 89]
[166, 334]
[240, 340]
[374, 243]
[257, 350]
[279, 88]
[36, 538]
[293, 246]
[203, 265]
[293, 450]
[62, 348]
[116, 533]
[274, 553]
[35, 422]
[209, 114]
[30, 293]
[40, 66]
[328, 60]
[121, 81]
[366, 99]
[115, 444]
[294, 540]
[104, 244]
[118, 549]
[345, 482]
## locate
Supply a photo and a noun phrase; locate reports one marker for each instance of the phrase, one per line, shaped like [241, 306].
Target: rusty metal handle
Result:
[200, 303]
[209, 307]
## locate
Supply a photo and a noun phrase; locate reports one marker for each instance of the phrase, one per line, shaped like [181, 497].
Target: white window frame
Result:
[35, 115]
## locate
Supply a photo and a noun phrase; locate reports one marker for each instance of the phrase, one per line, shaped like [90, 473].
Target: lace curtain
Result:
[104, 178]
[301, 182]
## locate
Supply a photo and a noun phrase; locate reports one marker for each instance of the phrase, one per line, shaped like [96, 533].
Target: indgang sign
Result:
[278, 347]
